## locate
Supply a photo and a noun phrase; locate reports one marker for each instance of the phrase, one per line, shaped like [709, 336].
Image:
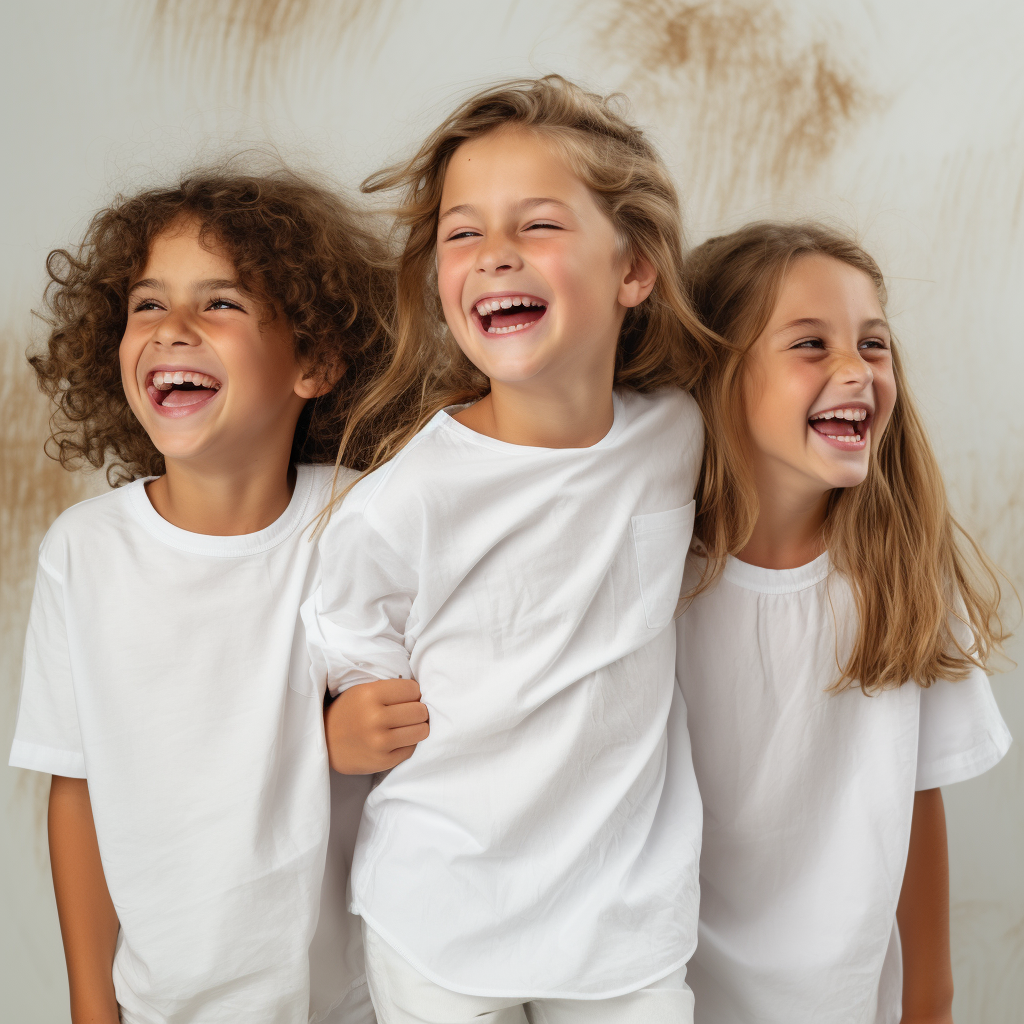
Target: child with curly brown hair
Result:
[206, 342]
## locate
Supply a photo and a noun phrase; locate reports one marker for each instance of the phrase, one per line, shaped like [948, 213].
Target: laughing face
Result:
[820, 386]
[531, 272]
[204, 371]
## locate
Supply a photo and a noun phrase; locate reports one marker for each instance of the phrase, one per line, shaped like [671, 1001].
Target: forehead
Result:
[822, 287]
[179, 250]
[507, 165]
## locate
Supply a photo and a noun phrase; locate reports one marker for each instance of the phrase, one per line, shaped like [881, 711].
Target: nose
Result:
[854, 369]
[175, 329]
[497, 255]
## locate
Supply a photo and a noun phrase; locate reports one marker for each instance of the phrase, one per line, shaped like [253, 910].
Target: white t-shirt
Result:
[541, 842]
[808, 798]
[170, 670]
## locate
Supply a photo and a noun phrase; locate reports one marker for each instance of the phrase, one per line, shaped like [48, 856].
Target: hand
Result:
[374, 726]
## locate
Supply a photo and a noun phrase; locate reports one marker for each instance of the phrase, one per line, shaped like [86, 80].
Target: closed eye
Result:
[544, 224]
[468, 233]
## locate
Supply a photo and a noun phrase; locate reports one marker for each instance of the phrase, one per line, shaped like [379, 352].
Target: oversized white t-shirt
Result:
[808, 798]
[170, 670]
[542, 842]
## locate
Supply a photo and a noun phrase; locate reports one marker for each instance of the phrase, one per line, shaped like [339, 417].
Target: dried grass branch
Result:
[759, 101]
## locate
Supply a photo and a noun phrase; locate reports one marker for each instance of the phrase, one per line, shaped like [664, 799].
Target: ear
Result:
[638, 283]
[315, 383]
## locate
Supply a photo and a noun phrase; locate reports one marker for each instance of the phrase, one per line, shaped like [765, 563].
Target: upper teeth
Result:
[165, 379]
[488, 306]
[841, 414]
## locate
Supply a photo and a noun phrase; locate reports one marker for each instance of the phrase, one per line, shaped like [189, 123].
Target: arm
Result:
[374, 726]
[923, 916]
[88, 922]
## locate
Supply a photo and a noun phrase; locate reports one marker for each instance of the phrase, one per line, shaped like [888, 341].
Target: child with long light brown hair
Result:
[521, 556]
[833, 655]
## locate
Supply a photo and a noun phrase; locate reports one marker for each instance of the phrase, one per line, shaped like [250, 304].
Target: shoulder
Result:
[669, 401]
[88, 522]
[422, 464]
[323, 481]
[667, 408]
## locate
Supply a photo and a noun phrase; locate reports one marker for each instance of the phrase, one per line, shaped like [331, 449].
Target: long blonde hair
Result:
[913, 570]
[662, 341]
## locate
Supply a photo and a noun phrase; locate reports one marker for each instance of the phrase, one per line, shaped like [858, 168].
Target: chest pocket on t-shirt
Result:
[662, 540]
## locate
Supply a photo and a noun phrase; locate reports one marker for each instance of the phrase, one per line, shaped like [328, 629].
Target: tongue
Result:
[835, 428]
[181, 398]
[516, 317]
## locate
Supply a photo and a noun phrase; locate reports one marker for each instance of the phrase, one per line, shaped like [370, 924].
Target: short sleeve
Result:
[962, 733]
[47, 736]
[355, 621]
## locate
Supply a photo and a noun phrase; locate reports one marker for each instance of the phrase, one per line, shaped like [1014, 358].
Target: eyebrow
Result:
[521, 207]
[211, 284]
[819, 325]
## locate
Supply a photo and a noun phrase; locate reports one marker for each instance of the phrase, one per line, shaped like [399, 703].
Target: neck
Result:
[244, 499]
[788, 532]
[575, 414]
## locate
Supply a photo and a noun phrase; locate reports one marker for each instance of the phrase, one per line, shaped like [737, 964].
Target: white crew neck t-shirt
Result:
[542, 842]
[808, 798]
[170, 670]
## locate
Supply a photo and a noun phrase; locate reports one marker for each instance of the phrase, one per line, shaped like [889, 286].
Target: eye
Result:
[809, 343]
[875, 343]
[224, 304]
[543, 224]
[144, 305]
[467, 233]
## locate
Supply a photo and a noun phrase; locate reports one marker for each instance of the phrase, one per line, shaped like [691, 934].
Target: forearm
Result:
[923, 917]
[88, 921]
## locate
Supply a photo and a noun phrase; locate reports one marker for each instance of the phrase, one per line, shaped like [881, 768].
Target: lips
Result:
[178, 393]
[845, 427]
[508, 314]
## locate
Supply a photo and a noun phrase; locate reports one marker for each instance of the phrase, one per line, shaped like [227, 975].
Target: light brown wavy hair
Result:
[297, 247]
[917, 578]
[662, 342]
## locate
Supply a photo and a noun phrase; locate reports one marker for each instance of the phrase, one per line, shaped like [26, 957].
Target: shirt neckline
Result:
[225, 547]
[776, 581]
[446, 419]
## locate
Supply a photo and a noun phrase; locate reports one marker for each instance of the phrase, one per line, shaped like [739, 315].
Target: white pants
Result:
[401, 995]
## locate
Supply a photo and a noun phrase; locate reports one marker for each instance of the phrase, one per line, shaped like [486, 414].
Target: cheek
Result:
[451, 279]
[128, 353]
[885, 399]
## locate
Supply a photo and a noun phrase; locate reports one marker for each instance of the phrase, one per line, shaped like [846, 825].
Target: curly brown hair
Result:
[297, 247]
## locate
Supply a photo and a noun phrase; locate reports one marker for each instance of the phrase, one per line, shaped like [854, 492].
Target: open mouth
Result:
[844, 428]
[507, 314]
[185, 390]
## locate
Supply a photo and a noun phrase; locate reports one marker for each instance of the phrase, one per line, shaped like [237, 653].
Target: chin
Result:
[847, 477]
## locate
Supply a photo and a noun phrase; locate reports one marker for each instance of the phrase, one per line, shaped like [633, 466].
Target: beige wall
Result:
[899, 118]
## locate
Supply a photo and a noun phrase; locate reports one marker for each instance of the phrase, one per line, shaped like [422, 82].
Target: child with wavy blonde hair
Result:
[206, 341]
[832, 657]
[521, 556]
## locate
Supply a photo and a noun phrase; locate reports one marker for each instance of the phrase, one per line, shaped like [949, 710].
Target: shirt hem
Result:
[36, 758]
[525, 994]
[967, 765]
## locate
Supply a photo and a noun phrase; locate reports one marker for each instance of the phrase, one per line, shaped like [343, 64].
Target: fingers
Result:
[400, 755]
[394, 716]
[409, 736]
[396, 691]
